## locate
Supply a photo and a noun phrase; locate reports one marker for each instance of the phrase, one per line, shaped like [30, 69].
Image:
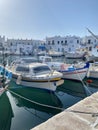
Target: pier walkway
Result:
[81, 116]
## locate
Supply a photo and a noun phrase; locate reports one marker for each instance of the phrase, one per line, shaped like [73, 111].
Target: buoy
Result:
[89, 81]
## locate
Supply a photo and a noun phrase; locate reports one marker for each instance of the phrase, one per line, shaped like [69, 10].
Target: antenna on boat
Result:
[92, 33]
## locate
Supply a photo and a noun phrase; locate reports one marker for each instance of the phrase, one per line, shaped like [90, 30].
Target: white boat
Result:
[5, 78]
[75, 55]
[54, 53]
[70, 71]
[36, 75]
[74, 72]
[41, 53]
[93, 70]
[49, 61]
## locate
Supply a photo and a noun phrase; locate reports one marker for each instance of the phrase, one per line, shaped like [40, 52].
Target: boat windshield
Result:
[41, 69]
[22, 69]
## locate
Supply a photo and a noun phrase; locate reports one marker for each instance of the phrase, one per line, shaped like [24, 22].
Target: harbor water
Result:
[22, 108]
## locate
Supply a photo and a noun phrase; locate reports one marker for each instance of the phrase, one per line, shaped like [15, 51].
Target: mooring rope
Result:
[44, 105]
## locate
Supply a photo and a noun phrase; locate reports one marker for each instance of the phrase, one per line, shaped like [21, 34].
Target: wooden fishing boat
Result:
[36, 75]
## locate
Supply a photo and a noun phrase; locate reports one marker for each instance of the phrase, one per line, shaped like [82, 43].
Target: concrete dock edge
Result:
[81, 116]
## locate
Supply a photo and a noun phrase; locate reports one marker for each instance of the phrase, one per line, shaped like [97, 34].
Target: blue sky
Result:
[38, 19]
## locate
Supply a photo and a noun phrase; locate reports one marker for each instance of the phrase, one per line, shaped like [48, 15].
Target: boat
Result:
[55, 65]
[49, 61]
[5, 78]
[93, 71]
[54, 53]
[37, 75]
[75, 55]
[74, 72]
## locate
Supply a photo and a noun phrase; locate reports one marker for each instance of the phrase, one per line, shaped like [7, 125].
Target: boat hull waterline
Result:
[48, 85]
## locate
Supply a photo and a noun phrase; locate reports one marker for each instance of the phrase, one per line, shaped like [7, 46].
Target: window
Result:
[41, 69]
[52, 42]
[77, 41]
[90, 48]
[58, 42]
[66, 41]
[61, 41]
[48, 42]
[22, 69]
[89, 41]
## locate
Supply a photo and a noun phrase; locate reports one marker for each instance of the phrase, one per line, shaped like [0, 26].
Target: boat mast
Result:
[92, 33]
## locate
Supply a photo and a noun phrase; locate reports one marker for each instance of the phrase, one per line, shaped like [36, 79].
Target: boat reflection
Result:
[6, 113]
[74, 88]
[38, 98]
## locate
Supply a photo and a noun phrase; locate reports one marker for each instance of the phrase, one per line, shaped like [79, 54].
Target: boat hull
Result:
[48, 85]
[93, 74]
[78, 75]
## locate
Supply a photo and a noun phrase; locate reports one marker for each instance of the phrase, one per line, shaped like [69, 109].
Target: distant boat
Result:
[93, 70]
[75, 55]
[49, 61]
[36, 75]
[41, 53]
[54, 53]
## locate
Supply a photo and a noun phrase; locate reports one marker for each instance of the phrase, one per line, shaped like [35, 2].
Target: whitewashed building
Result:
[23, 46]
[91, 44]
[63, 44]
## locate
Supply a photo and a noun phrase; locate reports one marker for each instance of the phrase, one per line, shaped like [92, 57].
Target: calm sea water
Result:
[22, 108]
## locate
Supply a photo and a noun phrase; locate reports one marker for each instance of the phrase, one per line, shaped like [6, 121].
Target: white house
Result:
[91, 45]
[63, 44]
[23, 46]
